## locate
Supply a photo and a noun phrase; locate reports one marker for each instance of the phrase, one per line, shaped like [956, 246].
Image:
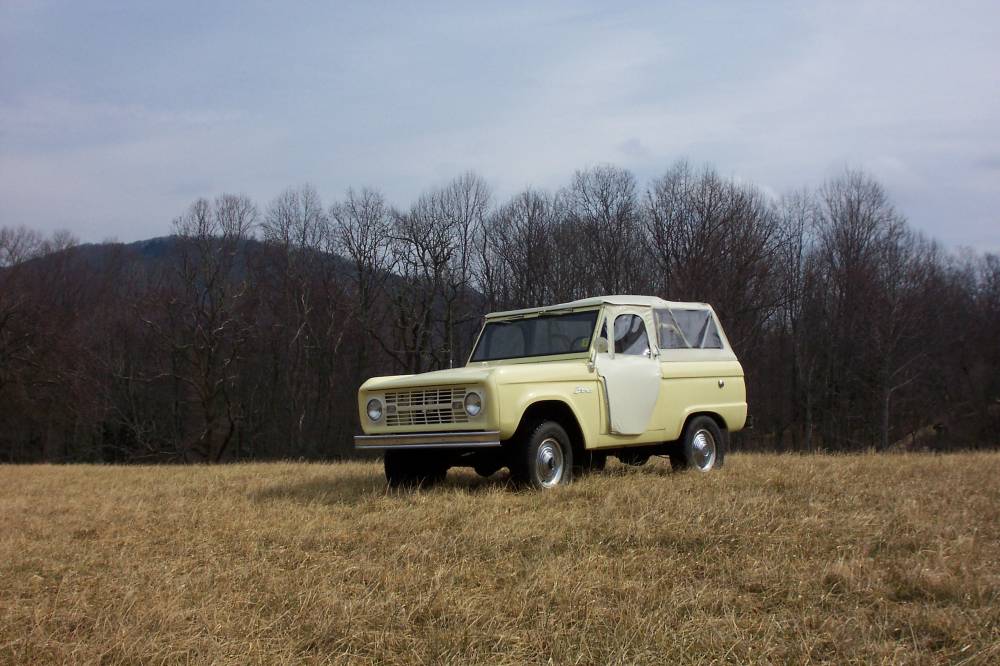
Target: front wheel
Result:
[545, 458]
[702, 448]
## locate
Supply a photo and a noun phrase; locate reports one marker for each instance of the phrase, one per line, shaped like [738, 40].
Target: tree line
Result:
[246, 333]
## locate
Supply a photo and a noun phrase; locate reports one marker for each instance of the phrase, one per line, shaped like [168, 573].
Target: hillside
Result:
[889, 559]
[150, 254]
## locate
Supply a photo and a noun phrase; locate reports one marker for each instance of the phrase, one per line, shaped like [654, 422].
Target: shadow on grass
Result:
[353, 488]
[343, 488]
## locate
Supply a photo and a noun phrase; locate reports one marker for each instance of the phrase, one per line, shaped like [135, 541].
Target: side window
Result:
[687, 329]
[630, 335]
[711, 340]
[669, 331]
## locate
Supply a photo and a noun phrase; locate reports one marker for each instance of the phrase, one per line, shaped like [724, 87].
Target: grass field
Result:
[870, 559]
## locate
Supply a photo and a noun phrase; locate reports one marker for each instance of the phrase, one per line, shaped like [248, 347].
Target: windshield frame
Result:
[529, 358]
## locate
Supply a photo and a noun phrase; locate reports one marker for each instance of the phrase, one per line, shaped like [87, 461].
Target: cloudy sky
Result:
[115, 115]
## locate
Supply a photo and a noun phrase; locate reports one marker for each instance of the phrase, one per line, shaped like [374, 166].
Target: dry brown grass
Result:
[775, 559]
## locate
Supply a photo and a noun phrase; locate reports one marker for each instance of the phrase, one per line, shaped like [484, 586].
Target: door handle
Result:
[722, 383]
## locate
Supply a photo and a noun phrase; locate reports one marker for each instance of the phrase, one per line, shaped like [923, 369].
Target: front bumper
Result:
[429, 440]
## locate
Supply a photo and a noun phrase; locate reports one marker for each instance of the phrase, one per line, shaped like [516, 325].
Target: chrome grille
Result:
[426, 406]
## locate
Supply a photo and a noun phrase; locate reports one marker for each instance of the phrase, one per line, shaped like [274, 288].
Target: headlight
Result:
[374, 409]
[473, 404]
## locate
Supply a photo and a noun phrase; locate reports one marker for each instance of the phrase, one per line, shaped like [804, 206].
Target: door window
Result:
[630, 335]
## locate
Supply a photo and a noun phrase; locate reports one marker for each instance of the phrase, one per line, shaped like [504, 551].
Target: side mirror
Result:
[601, 345]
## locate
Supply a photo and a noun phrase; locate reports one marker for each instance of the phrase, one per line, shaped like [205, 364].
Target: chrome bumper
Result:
[429, 440]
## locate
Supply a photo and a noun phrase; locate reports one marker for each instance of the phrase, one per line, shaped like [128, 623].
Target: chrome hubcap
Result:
[549, 463]
[704, 450]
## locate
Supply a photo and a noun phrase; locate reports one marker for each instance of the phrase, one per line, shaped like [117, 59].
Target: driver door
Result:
[630, 369]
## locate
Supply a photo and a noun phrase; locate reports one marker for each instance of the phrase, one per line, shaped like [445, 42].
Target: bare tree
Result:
[18, 245]
[433, 247]
[799, 318]
[422, 249]
[206, 326]
[716, 241]
[363, 228]
[464, 205]
[603, 204]
[297, 231]
[295, 219]
[516, 252]
[865, 253]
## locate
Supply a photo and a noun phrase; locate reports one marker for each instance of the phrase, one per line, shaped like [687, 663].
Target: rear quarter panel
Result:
[690, 387]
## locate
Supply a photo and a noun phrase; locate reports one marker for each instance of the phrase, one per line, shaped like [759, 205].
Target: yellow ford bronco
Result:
[551, 392]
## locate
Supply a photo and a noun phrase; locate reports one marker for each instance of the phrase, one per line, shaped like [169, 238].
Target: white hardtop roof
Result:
[597, 301]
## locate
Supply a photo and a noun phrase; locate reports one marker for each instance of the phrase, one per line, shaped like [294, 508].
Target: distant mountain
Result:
[154, 252]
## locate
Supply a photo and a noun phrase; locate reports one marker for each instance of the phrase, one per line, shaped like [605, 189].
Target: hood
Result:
[513, 373]
[435, 378]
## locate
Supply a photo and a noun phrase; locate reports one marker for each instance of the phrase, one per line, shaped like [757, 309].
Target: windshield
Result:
[545, 335]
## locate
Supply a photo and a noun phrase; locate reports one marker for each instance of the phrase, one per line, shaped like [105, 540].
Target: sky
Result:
[115, 116]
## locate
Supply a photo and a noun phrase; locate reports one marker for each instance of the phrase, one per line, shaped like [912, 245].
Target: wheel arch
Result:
[715, 416]
[555, 410]
[720, 421]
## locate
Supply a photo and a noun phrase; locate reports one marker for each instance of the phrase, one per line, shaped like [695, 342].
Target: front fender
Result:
[582, 399]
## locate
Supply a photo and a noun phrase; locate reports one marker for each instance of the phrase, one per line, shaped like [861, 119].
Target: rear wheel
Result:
[413, 469]
[545, 458]
[702, 447]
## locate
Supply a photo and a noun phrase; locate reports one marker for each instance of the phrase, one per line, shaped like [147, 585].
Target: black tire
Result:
[413, 469]
[544, 457]
[702, 447]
